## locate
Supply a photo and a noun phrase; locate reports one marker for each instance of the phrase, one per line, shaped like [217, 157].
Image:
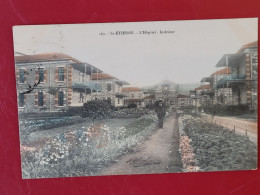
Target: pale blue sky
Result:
[183, 57]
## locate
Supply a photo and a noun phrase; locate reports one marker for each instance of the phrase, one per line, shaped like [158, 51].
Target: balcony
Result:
[230, 79]
[87, 85]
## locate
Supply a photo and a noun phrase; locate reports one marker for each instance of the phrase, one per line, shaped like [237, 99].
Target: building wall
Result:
[50, 101]
[149, 101]
[223, 96]
[106, 93]
[182, 102]
[169, 96]
[134, 95]
[235, 94]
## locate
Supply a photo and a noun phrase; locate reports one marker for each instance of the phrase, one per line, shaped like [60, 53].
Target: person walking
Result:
[161, 111]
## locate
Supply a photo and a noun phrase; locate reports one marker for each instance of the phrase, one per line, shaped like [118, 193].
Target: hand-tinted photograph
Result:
[137, 98]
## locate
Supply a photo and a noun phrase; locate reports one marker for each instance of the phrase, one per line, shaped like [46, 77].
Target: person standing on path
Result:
[161, 111]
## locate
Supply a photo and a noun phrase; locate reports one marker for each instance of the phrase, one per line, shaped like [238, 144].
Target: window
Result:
[133, 95]
[109, 87]
[61, 74]
[118, 101]
[60, 98]
[21, 75]
[21, 100]
[40, 98]
[41, 74]
[109, 100]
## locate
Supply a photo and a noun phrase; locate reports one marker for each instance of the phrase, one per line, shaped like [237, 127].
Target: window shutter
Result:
[24, 97]
[36, 99]
[25, 74]
[44, 98]
[56, 99]
[17, 75]
[56, 76]
[65, 74]
[45, 76]
[36, 75]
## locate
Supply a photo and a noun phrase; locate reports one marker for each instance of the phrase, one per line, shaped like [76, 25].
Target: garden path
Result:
[154, 156]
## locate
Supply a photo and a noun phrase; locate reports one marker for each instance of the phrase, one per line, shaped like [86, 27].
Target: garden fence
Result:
[246, 128]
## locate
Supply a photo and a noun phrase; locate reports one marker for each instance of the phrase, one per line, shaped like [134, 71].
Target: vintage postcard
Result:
[137, 98]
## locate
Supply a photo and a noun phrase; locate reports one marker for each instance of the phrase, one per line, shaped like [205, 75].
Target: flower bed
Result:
[131, 112]
[187, 154]
[217, 149]
[84, 151]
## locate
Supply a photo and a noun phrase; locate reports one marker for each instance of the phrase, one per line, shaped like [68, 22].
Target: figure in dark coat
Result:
[161, 111]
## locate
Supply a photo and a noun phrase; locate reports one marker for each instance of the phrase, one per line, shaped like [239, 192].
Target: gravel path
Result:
[158, 154]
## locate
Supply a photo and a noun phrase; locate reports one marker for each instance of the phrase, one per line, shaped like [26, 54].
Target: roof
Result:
[149, 97]
[119, 82]
[222, 71]
[182, 96]
[203, 87]
[134, 100]
[53, 56]
[252, 44]
[131, 89]
[101, 76]
[231, 60]
[85, 67]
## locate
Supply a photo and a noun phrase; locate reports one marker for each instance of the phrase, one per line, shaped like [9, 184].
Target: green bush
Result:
[73, 111]
[96, 109]
[132, 106]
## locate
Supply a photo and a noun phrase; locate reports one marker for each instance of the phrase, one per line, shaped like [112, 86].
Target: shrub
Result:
[73, 111]
[149, 106]
[96, 109]
[132, 106]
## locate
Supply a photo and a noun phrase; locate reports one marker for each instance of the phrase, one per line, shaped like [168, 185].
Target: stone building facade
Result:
[133, 95]
[111, 89]
[51, 82]
[167, 91]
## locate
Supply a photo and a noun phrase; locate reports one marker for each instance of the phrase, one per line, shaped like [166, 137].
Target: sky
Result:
[185, 55]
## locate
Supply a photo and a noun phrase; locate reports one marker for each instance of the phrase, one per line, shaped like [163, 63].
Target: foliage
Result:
[132, 106]
[216, 148]
[82, 152]
[96, 109]
[137, 126]
[230, 110]
[74, 111]
[149, 106]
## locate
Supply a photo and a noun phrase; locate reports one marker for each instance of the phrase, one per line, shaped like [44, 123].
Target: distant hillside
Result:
[186, 87]
[153, 87]
[183, 88]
